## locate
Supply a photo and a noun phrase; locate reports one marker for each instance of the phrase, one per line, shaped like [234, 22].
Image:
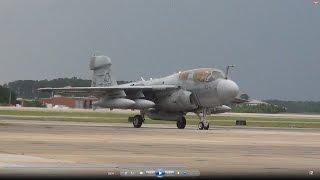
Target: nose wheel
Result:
[203, 124]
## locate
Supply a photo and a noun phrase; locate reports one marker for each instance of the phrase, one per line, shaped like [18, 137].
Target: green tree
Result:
[5, 95]
[260, 108]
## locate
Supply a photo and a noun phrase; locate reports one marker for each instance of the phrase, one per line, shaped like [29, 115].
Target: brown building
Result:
[71, 102]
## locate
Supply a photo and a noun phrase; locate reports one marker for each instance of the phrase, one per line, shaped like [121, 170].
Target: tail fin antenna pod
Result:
[102, 75]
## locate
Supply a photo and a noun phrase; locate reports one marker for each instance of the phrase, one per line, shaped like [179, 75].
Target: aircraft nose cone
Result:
[227, 90]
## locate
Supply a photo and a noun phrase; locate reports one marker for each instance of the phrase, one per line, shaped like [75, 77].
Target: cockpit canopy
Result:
[202, 75]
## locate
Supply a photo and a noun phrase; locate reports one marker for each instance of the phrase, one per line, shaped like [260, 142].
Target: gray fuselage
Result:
[207, 88]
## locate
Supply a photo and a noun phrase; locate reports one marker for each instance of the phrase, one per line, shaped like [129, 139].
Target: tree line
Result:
[279, 106]
[297, 106]
[5, 95]
[27, 89]
[259, 108]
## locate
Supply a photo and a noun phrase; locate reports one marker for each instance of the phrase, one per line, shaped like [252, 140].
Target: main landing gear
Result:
[181, 122]
[203, 124]
[137, 121]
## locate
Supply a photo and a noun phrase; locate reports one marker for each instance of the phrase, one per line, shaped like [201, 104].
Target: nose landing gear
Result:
[203, 124]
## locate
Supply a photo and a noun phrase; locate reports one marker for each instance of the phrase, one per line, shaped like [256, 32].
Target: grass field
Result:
[110, 117]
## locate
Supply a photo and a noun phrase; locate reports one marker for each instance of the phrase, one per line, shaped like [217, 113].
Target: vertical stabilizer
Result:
[102, 75]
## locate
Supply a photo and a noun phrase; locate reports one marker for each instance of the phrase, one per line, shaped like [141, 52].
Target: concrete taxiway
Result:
[220, 150]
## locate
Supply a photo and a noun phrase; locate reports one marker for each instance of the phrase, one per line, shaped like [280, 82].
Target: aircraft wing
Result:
[108, 90]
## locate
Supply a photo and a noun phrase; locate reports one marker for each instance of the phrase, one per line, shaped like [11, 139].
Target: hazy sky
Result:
[273, 43]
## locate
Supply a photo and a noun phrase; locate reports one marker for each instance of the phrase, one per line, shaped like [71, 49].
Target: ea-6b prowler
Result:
[202, 91]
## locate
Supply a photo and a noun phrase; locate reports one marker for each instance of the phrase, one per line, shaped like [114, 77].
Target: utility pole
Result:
[9, 97]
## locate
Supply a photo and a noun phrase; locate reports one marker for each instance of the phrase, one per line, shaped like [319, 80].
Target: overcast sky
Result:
[274, 44]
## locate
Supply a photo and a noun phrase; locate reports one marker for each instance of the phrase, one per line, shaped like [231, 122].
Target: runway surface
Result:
[122, 111]
[221, 150]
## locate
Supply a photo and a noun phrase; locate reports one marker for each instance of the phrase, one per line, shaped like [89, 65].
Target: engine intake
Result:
[178, 101]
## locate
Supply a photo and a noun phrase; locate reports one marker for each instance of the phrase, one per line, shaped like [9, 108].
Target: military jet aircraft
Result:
[202, 91]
